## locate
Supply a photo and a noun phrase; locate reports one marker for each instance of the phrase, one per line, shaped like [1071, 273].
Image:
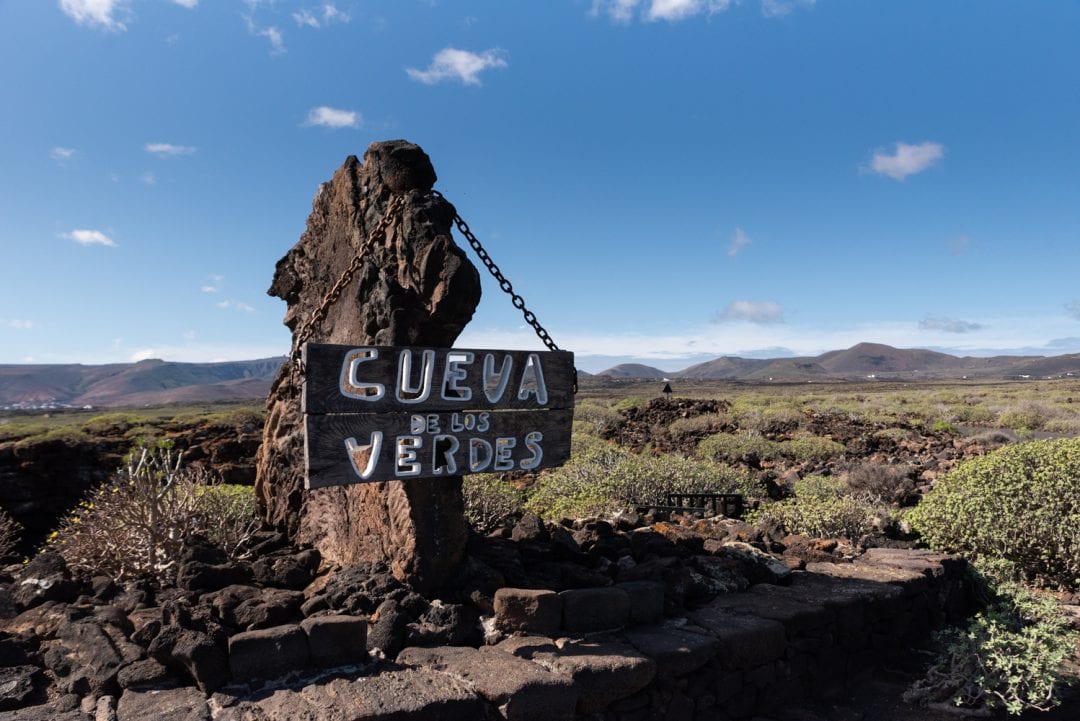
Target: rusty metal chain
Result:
[303, 335]
[504, 284]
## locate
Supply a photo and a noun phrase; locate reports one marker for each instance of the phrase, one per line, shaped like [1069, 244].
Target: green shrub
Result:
[630, 402]
[943, 426]
[1007, 657]
[979, 413]
[895, 434]
[594, 418]
[820, 509]
[9, 533]
[1020, 503]
[137, 523]
[697, 425]
[879, 484]
[806, 448]
[601, 479]
[733, 446]
[490, 500]
[1027, 415]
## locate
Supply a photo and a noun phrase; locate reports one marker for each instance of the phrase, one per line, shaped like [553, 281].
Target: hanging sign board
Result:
[380, 413]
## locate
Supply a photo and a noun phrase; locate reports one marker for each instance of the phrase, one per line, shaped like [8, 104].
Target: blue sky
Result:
[663, 180]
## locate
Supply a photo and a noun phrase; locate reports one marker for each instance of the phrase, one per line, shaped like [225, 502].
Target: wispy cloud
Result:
[781, 8]
[1073, 309]
[89, 237]
[621, 11]
[17, 323]
[738, 241]
[320, 17]
[906, 159]
[168, 150]
[60, 153]
[214, 284]
[148, 178]
[271, 33]
[328, 117]
[230, 304]
[96, 13]
[759, 312]
[672, 10]
[189, 4]
[460, 65]
[949, 325]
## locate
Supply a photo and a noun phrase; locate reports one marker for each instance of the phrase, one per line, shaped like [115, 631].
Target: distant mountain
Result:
[633, 370]
[863, 361]
[147, 382]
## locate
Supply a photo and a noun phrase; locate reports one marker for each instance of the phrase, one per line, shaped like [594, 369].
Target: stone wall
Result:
[742, 655]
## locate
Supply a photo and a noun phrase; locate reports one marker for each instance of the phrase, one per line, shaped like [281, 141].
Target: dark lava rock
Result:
[44, 578]
[530, 529]
[446, 625]
[20, 686]
[202, 576]
[388, 630]
[194, 655]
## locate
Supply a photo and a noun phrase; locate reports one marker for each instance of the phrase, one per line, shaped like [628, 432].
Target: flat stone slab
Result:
[528, 610]
[798, 617]
[745, 641]
[520, 689]
[391, 696]
[178, 704]
[336, 640]
[929, 563]
[909, 581]
[268, 652]
[603, 671]
[675, 652]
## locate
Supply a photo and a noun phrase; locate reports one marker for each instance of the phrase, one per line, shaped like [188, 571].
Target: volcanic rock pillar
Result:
[416, 287]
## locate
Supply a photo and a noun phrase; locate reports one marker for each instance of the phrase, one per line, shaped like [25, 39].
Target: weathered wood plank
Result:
[356, 448]
[374, 379]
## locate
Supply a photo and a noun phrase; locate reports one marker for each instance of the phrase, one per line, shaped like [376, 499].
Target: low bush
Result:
[601, 479]
[490, 499]
[595, 419]
[806, 448]
[697, 425]
[1020, 503]
[1007, 657]
[879, 484]
[137, 523]
[1026, 415]
[9, 533]
[735, 446]
[820, 509]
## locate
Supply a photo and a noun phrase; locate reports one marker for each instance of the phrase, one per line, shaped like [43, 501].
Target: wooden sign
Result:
[379, 413]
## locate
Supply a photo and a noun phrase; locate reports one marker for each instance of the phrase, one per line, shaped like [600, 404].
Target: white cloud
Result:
[89, 237]
[17, 323]
[780, 8]
[148, 178]
[214, 284]
[738, 241]
[96, 12]
[949, 325]
[189, 4]
[229, 304]
[328, 117]
[325, 15]
[271, 33]
[1073, 309]
[906, 159]
[168, 150]
[672, 10]
[462, 65]
[60, 154]
[306, 18]
[751, 312]
[621, 11]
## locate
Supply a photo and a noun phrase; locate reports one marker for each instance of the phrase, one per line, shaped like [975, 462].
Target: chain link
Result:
[319, 314]
[504, 284]
[308, 328]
